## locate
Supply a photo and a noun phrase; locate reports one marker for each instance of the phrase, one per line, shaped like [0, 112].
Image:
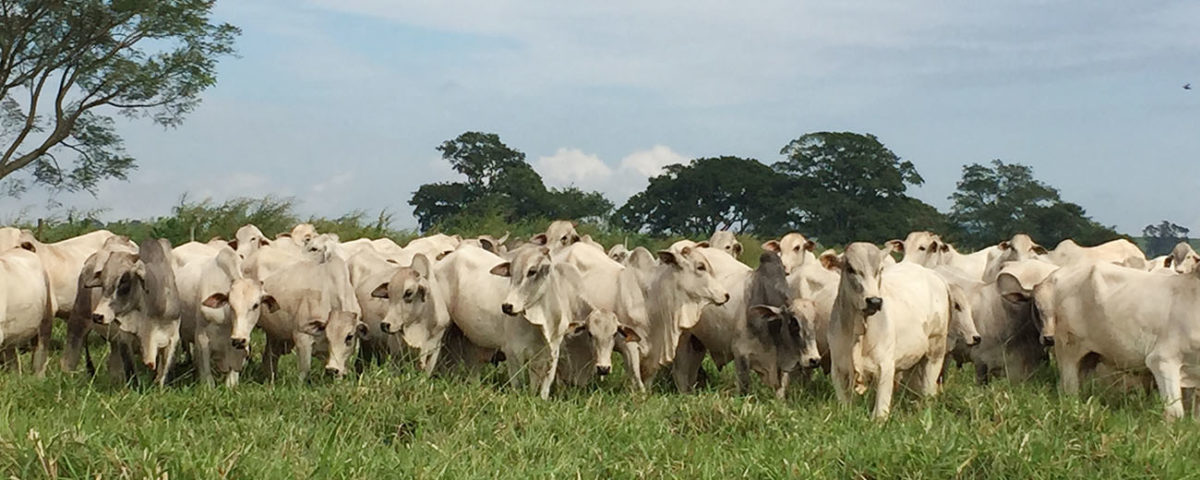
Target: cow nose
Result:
[1048, 340]
[386, 327]
[98, 318]
[874, 304]
[813, 362]
[238, 343]
[726, 300]
[337, 372]
[150, 364]
[604, 370]
[507, 309]
[975, 340]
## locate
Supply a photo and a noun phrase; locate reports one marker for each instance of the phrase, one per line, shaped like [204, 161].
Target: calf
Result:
[79, 322]
[1019, 247]
[316, 312]
[1182, 258]
[725, 240]
[779, 335]
[682, 286]
[220, 308]
[793, 249]
[63, 260]
[139, 293]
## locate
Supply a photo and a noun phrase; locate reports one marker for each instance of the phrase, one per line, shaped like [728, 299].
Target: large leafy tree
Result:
[995, 201]
[498, 181]
[849, 187]
[1162, 238]
[708, 194]
[68, 66]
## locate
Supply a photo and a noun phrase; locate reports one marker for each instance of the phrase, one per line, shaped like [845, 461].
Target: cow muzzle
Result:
[813, 363]
[603, 370]
[238, 343]
[508, 309]
[724, 301]
[1048, 340]
[98, 319]
[336, 372]
[386, 327]
[874, 304]
[974, 341]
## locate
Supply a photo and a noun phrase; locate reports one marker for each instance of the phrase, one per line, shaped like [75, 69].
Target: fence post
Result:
[40, 228]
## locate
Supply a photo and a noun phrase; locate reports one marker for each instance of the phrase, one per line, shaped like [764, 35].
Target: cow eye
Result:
[408, 296]
[797, 248]
[921, 249]
[254, 307]
[349, 338]
[532, 273]
[701, 267]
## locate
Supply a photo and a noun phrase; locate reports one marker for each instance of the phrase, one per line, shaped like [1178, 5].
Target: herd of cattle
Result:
[557, 306]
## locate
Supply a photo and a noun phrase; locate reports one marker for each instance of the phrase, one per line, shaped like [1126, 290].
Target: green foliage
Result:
[706, 195]
[82, 60]
[498, 181]
[996, 202]
[848, 187]
[1161, 239]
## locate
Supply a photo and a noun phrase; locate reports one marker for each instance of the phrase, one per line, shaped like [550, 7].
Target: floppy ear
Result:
[1010, 288]
[1040, 250]
[314, 327]
[897, 245]
[503, 269]
[1003, 245]
[668, 257]
[810, 245]
[766, 310]
[702, 245]
[420, 263]
[737, 249]
[576, 328]
[1167, 261]
[232, 244]
[945, 247]
[262, 242]
[93, 281]
[487, 245]
[361, 330]
[28, 246]
[771, 245]
[539, 239]
[629, 334]
[381, 291]
[271, 303]
[831, 261]
[216, 300]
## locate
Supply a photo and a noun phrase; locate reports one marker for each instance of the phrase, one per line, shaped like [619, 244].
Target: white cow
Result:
[719, 325]
[63, 260]
[247, 240]
[317, 314]
[219, 309]
[682, 286]
[886, 321]
[794, 250]
[10, 238]
[1121, 252]
[1182, 258]
[26, 306]
[1019, 247]
[972, 265]
[1133, 320]
[921, 248]
[727, 241]
[560, 234]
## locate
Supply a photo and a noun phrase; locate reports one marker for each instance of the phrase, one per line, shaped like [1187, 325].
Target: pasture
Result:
[394, 422]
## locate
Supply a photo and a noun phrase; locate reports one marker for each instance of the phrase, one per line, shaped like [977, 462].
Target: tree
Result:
[498, 182]
[1162, 238]
[66, 66]
[993, 203]
[709, 194]
[848, 187]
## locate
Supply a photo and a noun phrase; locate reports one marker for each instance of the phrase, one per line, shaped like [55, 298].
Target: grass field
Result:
[395, 423]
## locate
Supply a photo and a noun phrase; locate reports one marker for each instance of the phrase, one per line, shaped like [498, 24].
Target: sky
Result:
[341, 103]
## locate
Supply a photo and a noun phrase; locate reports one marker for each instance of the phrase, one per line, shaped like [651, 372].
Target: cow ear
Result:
[381, 291]
[702, 245]
[831, 261]
[1040, 250]
[1010, 288]
[421, 293]
[766, 311]
[29, 246]
[576, 328]
[362, 330]
[503, 269]
[545, 251]
[1167, 261]
[216, 300]
[897, 245]
[232, 244]
[314, 327]
[945, 247]
[271, 303]
[771, 245]
[420, 264]
[262, 242]
[810, 245]
[668, 257]
[487, 245]
[443, 254]
[539, 239]
[629, 334]
[737, 250]
[1003, 245]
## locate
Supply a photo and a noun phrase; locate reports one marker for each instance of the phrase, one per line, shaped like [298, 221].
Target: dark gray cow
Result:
[780, 333]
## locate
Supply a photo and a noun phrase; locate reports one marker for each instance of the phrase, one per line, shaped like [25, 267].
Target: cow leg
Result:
[41, 347]
[981, 373]
[202, 352]
[167, 359]
[77, 330]
[742, 364]
[431, 349]
[1168, 375]
[271, 358]
[515, 363]
[689, 355]
[843, 383]
[304, 349]
[928, 383]
[115, 362]
[785, 378]
[631, 352]
[884, 385]
[551, 372]
[1068, 370]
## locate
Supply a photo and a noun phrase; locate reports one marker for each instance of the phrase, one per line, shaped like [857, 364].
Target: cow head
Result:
[321, 248]
[793, 249]
[529, 276]
[409, 294]
[559, 234]
[726, 241]
[247, 240]
[247, 299]
[922, 248]
[862, 271]
[303, 233]
[962, 322]
[1182, 258]
[693, 274]
[121, 281]
[792, 330]
[342, 331]
[1020, 247]
[618, 253]
[602, 328]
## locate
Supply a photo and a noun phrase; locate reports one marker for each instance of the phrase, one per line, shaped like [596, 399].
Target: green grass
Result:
[396, 423]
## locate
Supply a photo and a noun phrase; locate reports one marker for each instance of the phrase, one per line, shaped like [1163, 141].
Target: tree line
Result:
[836, 186]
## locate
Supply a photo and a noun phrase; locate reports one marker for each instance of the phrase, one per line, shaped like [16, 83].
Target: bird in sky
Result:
[1187, 86]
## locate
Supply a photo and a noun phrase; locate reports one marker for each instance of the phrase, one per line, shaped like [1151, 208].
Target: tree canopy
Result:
[709, 194]
[994, 202]
[1162, 238]
[67, 66]
[498, 182]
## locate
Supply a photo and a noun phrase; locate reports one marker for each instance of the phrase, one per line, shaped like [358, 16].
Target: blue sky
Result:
[340, 103]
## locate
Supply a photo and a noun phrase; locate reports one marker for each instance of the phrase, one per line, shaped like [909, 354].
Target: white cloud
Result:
[334, 182]
[649, 163]
[570, 166]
